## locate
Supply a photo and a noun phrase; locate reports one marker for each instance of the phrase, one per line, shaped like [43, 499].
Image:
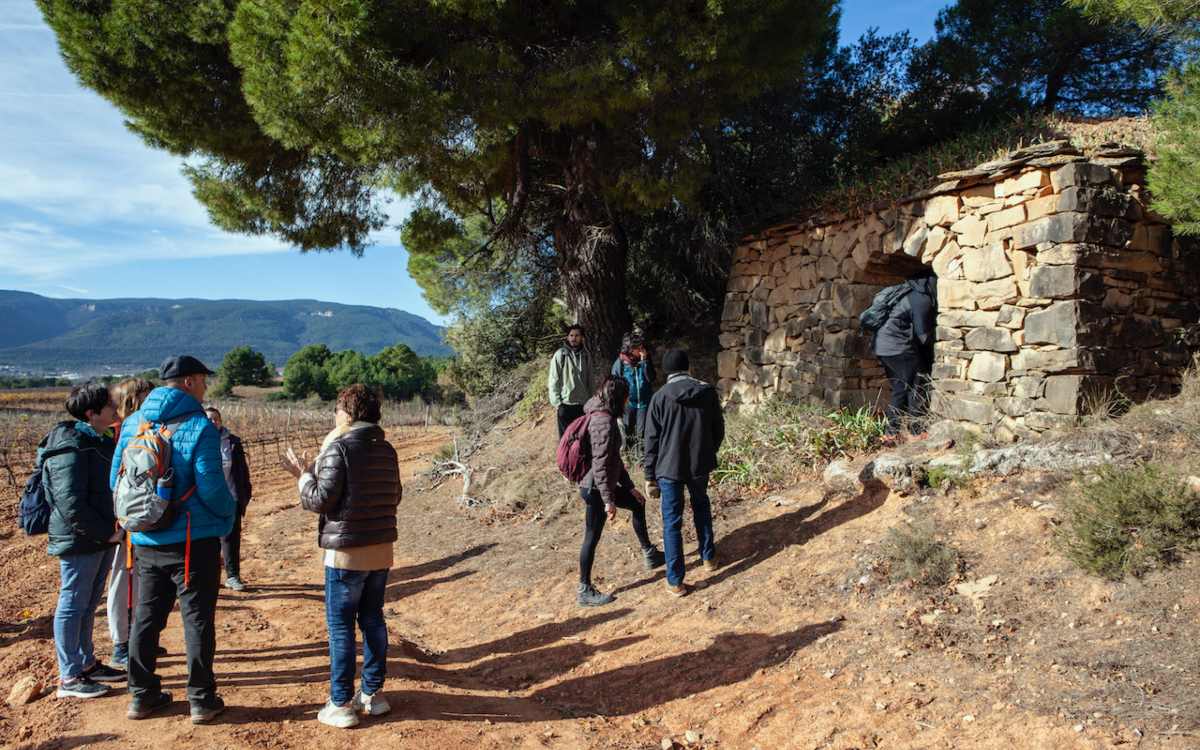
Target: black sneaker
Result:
[203, 713]
[233, 583]
[101, 672]
[653, 558]
[80, 687]
[588, 596]
[144, 707]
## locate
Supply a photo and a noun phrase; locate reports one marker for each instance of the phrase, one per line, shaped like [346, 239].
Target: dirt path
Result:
[790, 644]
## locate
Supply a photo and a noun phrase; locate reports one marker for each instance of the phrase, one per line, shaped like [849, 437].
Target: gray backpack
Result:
[142, 497]
[873, 318]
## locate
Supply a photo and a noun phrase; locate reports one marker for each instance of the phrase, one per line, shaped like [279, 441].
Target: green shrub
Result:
[915, 553]
[537, 394]
[782, 439]
[945, 478]
[1123, 522]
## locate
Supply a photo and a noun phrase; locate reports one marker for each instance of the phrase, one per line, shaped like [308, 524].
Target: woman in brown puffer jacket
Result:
[607, 486]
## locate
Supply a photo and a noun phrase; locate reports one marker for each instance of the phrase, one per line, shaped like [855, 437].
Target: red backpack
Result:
[574, 454]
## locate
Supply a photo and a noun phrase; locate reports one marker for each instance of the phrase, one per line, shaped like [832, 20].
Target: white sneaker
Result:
[370, 704]
[342, 717]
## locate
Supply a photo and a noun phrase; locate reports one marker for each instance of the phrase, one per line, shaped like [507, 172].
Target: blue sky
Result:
[87, 210]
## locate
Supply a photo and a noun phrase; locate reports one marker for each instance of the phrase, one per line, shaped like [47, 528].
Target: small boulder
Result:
[25, 691]
[841, 476]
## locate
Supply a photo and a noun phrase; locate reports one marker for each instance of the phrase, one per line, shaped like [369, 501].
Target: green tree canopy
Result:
[244, 366]
[550, 122]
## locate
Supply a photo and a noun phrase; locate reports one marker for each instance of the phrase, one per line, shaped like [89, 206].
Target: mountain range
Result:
[46, 335]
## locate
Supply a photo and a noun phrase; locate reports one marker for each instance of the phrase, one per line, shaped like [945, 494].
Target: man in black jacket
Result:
[355, 487]
[75, 459]
[904, 346]
[684, 431]
[237, 476]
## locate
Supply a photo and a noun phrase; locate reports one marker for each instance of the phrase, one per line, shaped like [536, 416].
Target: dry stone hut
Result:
[1056, 283]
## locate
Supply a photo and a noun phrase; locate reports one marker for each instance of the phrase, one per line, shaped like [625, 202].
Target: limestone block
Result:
[755, 338]
[1152, 238]
[970, 230]
[1080, 174]
[1009, 217]
[990, 208]
[1059, 255]
[977, 196]
[914, 244]
[734, 308]
[986, 263]
[1064, 394]
[1043, 422]
[992, 295]
[948, 334]
[828, 267]
[967, 319]
[851, 299]
[990, 340]
[947, 264]
[1061, 282]
[759, 315]
[992, 390]
[954, 385]
[1028, 386]
[987, 367]
[1065, 227]
[1011, 316]
[1014, 407]
[866, 247]
[1052, 360]
[955, 294]
[1031, 180]
[746, 393]
[941, 210]
[776, 342]
[727, 363]
[934, 242]
[780, 296]
[944, 371]
[1058, 324]
[1019, 338]
[729, 340]
[976, 409]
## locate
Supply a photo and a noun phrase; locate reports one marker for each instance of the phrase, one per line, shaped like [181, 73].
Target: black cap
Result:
[181, 366]
[676, 360]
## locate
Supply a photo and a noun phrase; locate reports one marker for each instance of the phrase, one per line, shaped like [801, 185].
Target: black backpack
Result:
[34, 508]
[873, 318]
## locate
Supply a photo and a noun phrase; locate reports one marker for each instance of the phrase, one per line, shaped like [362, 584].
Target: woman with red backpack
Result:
[607, 486]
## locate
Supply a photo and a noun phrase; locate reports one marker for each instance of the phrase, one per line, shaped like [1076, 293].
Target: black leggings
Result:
[594, 518]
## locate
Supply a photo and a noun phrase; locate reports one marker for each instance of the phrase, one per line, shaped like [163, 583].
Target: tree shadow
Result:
[533, 638]
[437, 566]
[67, 743]
[401, 589]
[757, 542]
[729, 659]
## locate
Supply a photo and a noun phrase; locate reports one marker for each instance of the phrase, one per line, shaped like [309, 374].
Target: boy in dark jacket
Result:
[684, 431]
[237, 476]
[83, 534]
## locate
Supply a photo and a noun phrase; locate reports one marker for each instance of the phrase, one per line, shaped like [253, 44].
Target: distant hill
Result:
[52, 335]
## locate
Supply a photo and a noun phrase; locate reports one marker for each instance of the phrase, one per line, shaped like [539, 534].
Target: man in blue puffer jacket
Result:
[166, 569]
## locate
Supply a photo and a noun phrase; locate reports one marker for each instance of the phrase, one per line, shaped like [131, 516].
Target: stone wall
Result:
[1056, 284]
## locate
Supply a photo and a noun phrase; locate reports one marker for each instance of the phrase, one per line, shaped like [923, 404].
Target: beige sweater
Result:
[370, 557]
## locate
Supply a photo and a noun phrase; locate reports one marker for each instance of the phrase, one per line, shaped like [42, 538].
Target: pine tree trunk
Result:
[592, 251]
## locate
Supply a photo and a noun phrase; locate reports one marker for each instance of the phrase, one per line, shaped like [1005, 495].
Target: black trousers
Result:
[906, 375]
[231, 549]
[161, 572]
[594, 519]
[568, 413]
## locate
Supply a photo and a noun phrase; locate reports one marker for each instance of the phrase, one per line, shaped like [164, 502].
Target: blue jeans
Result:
[79, 593]
[672, 512]
[355, 595]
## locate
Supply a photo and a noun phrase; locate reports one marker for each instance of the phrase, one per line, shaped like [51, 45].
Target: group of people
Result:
[680, 428]
[353, 485]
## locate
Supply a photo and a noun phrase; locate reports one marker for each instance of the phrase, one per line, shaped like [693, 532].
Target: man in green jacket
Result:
[570, 379]
[83, 534]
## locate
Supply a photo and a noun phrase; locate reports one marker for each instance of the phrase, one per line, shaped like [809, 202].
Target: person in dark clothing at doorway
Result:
[904, 346]
[608, 486]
